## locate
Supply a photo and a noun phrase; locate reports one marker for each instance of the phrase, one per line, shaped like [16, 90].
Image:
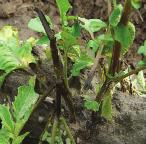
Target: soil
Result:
[127, 127]
[129, 123]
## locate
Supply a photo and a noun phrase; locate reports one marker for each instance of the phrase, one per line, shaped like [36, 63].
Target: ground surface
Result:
[129, 123]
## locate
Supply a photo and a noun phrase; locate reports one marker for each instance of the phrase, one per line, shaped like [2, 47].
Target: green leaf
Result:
[6, 118]
[125, 35]
[4, 136]
[76, 29]
[25, 99]
[107, 40]
[36, 25]
[115, 17]
[136, 4]
[142, 63]
[13, 55]
[68, 39]
[142, 49]
[92, 25]
[43, 40]
[107, 106]
[94, 44]
[82, 62]
[90, 104]
[63, 6]
[19, 139]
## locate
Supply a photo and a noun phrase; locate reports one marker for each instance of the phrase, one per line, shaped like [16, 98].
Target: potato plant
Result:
[108, 41]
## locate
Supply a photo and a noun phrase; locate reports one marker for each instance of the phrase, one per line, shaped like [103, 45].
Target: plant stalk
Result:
[58, 68]
[54, 130]
[63, 121]
[114, 66]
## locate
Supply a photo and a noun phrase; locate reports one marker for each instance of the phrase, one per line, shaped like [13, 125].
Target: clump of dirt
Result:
[127, 127]
[18, 13]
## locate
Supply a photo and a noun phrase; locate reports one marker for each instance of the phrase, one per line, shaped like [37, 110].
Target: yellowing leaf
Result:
[13, 54]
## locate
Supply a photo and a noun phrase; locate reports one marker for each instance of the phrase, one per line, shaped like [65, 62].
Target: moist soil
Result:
[129, 112]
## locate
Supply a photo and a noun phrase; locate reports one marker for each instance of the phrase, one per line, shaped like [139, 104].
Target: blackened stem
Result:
[114, 66]
[58, 68]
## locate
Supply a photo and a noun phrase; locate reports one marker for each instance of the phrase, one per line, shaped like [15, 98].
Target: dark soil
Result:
[129, 123]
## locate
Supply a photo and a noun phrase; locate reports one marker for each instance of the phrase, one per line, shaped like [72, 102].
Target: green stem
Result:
[109, 7]
[114, 3]
[45, 129]
[65, 71]
[54, 130]
[119, 78]
[63, 121]
[114, 66]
